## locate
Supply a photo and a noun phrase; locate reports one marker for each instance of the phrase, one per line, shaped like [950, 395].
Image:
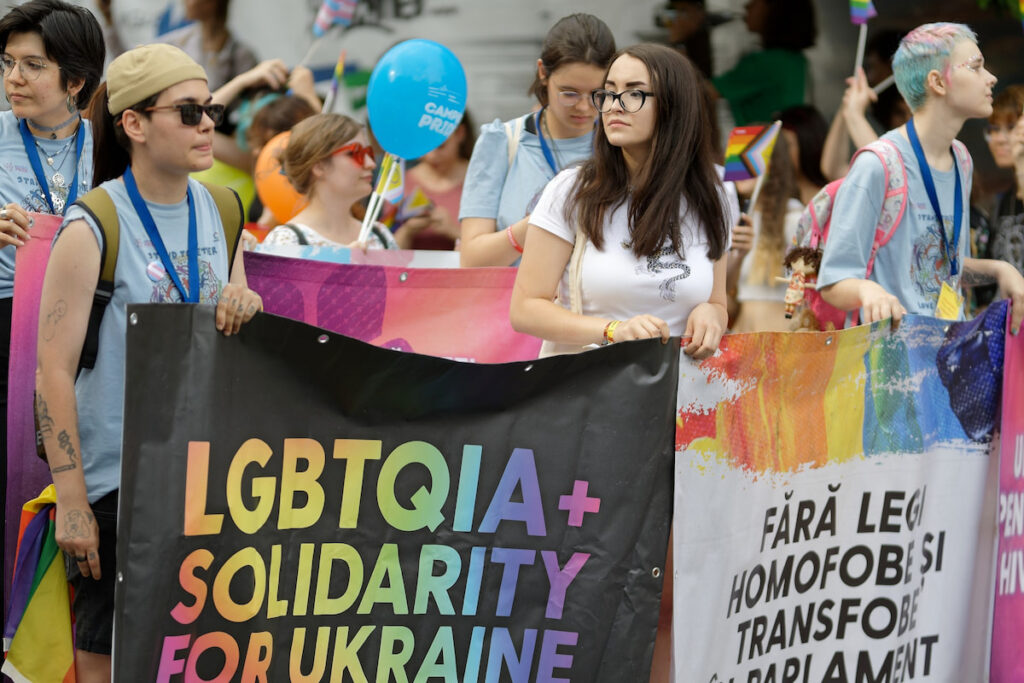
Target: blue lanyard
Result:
[37, 165]
[154, 236]
[544, 143]
[952, 250]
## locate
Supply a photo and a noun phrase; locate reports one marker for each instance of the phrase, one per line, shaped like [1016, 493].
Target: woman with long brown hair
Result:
[634, 240]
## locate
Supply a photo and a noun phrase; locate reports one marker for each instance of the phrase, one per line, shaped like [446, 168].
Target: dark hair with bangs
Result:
[575, 39]
[71, 37]
[679, 171]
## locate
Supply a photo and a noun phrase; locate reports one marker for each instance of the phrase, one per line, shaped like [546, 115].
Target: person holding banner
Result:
[513, 161]
[52, 62]
[153, 125]
[940, 71]
[632, 244]
[329, 159]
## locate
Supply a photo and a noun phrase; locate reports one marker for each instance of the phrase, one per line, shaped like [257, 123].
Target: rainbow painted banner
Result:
[861, 11]
[328, 507]
[749, 151]
[1008, 619]
[833, 505]
[449, 312]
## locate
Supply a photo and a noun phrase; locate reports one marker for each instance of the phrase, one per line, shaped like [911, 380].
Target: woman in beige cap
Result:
[153, 125]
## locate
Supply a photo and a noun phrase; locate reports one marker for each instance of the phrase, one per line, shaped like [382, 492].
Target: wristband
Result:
[512, 240]
[609, 331]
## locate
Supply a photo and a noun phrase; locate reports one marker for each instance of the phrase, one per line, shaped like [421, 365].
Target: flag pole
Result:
[861, 42]
[377, 198]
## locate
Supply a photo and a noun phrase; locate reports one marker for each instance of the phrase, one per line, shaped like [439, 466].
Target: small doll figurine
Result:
[804, 263]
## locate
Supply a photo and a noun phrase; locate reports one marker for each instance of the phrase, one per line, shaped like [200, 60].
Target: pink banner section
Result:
[1008, 618]
[27, 475]
[460, 314]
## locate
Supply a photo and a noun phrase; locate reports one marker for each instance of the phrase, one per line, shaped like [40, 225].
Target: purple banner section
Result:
[1008, 618]
[27, 475]
[457, 313]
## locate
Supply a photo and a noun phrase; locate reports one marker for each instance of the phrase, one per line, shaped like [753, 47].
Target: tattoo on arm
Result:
[64, 441]
[43, 416]
[973, 279]
[60, 309]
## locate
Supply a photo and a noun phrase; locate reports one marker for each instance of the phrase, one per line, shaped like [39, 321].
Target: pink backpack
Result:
[812, 230]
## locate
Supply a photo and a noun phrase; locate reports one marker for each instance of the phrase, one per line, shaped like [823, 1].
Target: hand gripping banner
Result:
[297, 505]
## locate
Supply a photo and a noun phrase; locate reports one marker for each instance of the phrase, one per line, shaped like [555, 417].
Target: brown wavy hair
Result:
[313, 140]
[679, 171]
[779, 187]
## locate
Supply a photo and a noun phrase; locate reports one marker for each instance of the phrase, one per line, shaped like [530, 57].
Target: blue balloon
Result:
[416, 97]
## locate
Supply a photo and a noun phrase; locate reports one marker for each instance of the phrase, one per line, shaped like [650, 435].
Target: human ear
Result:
[131, 122]
[542, 73]
[935, 82]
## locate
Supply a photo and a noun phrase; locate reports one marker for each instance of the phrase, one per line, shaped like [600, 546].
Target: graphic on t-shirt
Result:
[665, 260]
[209, 284]
[929, 267]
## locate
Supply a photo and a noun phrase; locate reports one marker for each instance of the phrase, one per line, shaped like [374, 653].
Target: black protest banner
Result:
[297, 505]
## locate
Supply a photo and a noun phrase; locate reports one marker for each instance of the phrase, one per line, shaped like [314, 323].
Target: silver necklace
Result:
[57, 178]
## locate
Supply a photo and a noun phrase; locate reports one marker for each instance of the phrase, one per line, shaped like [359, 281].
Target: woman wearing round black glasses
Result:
[512, 161]
[154, 126]
[52, 58]
[631, 245]
[329, 160]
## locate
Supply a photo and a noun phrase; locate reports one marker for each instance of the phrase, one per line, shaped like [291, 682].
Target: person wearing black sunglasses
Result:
[153, 126]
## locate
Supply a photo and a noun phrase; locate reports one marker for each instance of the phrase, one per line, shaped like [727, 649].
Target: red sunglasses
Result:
[357, 151]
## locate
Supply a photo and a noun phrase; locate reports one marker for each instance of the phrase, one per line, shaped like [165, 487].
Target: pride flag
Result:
[333, 12]
[749, 150]
[37, 633]
[393, 187]
[862, 10]
[415, 204]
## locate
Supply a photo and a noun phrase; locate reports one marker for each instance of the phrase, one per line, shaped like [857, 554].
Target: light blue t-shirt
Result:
[18, 183]
[913, 265]
[491, 190]
[138, 278]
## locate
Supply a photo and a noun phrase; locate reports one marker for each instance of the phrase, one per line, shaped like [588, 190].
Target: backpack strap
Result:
[298, 234]
[514, 133]
[100, 207]
[894, 202]
[229, 206]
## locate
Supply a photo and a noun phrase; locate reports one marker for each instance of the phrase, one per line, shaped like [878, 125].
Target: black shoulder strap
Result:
[299, 235]
[100, 207]
[229, 206]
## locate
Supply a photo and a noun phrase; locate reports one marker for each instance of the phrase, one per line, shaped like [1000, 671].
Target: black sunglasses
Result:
[192, 113]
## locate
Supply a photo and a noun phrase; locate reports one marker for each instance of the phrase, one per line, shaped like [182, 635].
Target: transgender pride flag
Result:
[861, 11]
[333, 12]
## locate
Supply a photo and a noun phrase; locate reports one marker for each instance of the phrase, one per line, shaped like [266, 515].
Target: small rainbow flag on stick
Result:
[749, 150]
[861, 11]
[333, 12]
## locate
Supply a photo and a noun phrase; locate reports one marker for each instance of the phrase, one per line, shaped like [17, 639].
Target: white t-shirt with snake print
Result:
[615, 284]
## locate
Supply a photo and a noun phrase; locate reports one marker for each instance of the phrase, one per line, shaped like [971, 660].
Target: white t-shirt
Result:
[615, 284]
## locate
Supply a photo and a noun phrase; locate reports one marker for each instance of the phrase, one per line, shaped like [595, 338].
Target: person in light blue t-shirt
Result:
[497, 196]
[940, 71]
[153, 122]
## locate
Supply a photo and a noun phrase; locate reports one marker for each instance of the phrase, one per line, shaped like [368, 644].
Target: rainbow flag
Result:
[37, 632]
[394, 186]
[333, 12]
[749, 150]
[414, 205]
[861, 11]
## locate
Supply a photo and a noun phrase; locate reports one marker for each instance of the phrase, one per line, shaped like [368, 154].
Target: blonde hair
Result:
[312, 141]
[779, 186]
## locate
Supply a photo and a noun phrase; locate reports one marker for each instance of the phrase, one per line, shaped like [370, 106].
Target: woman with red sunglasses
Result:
[329, 159]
